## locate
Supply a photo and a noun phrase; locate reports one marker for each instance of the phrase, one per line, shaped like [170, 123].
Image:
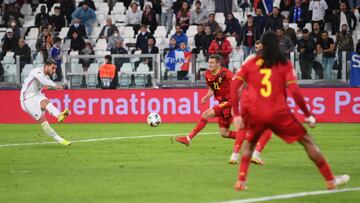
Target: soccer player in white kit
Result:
[35, 103]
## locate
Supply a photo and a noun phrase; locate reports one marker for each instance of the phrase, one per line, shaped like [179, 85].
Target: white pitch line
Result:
[99, 139]
[294, 195]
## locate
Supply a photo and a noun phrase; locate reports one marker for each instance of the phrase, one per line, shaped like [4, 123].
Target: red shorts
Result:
[223, 112]
[285, 125]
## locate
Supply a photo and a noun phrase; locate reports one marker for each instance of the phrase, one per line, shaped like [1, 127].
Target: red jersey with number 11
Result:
[266, 87]
[220, 83]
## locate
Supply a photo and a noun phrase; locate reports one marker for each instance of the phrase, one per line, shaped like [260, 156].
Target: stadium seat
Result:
[124, 76]
[95, 33]
[28, 21]
[120, 18]
[293, 26]
[63, 32]
[26, 70]
[26, 10]
[101, 45]
[308, 26]
[33, 33]
[65, 46]
[31, 43]
[191, 42]
[91, 78]
[9, 72]
[119, 8]
[9, 59]
[232, 41]
[128, 32]
[191, 32]
[39, 7]
[10, 54]
[39, 58]
[160, 32]
[52, 10]
[76, 79]
[2, 34]
[74, 60]
[140, 80]
[102, 54]
[219, 17]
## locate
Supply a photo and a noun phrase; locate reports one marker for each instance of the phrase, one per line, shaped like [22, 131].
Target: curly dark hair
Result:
[271, 51]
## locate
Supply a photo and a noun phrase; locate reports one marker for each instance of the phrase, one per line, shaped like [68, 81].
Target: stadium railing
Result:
[136, 71]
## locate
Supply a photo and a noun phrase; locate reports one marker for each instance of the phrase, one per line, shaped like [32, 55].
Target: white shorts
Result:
[32, 106]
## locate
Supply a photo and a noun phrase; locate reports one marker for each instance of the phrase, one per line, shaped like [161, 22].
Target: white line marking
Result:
[99, 139]
[294, 195]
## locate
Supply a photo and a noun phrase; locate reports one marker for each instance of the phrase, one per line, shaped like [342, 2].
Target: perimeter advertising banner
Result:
[174, 105]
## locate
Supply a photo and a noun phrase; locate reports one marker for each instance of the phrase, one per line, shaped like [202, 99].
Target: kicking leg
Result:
[47, 105]
[315, 155]
[200, 125]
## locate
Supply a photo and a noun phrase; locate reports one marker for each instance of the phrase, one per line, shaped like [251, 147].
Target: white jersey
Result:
[34, 82]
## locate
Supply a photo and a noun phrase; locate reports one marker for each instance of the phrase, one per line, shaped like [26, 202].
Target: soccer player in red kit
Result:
[268, 77]
[218, 79]
[241, 134]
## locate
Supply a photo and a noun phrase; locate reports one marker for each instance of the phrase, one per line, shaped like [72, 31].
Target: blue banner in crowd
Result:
[355, 70]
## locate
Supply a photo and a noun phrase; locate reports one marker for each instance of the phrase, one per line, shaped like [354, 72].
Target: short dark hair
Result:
[305, 31]
[198, 2]
[217, 57]
[109, 58]
[57, 39]
[50, 61]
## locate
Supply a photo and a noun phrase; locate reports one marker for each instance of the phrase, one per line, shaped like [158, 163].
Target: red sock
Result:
[324, 169]
[244, 166]
[201, 124]
[231, 135]
[239, 140]
[264, 139]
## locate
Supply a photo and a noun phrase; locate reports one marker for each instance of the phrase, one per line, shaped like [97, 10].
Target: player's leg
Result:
[246, 157]
[316, 156]
[47, 105]
[209, 113]
[51, 132]
[264, 139]
[240, 137]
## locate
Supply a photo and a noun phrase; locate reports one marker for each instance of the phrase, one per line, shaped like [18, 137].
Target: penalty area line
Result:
[293, 195]
[100, 139]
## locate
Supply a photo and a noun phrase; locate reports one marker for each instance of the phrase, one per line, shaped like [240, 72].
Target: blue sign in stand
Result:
[355, 70]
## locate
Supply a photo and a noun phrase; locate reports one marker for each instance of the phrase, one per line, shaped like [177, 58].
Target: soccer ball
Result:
[154, 119]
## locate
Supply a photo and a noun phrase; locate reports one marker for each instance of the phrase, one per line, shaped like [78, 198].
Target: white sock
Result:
[51, 132]
[256, 154]
[188, 138]
[235, 156]
[52, 110]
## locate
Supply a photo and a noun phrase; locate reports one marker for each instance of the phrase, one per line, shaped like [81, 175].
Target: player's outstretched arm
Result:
[299, 99]
[45, 81]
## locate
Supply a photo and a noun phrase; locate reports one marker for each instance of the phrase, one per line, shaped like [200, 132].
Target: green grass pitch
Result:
[159, 170]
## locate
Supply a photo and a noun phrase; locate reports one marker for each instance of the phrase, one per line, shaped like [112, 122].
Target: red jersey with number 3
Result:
[220, 83]
[266, 92]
